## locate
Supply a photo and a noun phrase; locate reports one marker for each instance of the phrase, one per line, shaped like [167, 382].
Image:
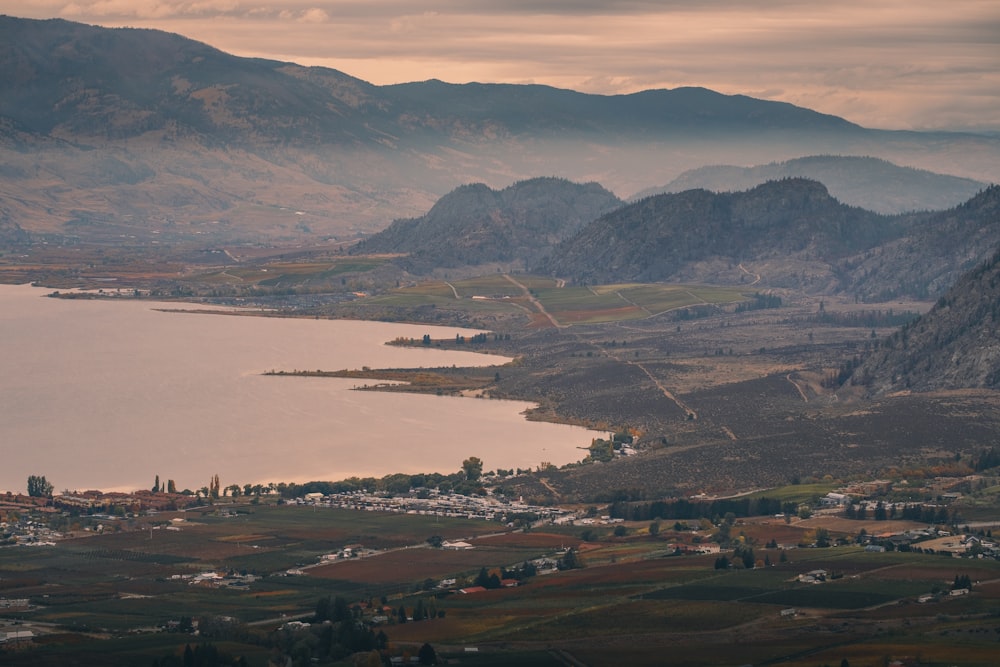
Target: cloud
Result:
[314, 15]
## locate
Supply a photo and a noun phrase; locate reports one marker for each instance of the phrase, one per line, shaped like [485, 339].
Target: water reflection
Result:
[109, 394]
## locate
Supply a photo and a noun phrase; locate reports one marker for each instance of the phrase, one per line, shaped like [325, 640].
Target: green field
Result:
[567, 304]
[292, 274]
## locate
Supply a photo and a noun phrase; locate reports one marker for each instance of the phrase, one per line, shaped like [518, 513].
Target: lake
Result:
[108, 394]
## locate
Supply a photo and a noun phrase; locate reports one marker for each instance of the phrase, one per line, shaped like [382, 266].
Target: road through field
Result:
[666, 392]
[535, 302]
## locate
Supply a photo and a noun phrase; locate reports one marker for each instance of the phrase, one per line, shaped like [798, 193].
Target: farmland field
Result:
[566, 304]
[630, 586]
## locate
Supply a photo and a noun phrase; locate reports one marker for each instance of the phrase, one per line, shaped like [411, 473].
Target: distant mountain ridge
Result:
[870, 183]
[477, 225]
[666, 237]
[125, 133]
[787, 233]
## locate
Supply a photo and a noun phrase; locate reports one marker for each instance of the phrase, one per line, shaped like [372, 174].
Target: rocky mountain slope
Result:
[120, 133]
[789, 233]
[477, 225]
[956, 345]
[867, 182]
[693, 235]
[931, 253]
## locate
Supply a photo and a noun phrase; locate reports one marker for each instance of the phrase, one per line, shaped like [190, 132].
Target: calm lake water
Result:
[109, 394]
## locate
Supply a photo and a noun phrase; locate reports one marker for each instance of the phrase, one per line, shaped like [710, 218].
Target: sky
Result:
[893, 64]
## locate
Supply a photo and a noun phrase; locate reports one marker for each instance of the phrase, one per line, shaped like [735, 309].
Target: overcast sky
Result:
[900, 64]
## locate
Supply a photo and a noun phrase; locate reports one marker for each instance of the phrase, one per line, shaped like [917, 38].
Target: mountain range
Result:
[475, 225]
[108, 134]
[867, 182]
[790, 233]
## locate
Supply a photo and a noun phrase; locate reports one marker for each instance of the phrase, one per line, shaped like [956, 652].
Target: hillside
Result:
[697, 235]
[931, 253]
[782, 234]
[870, 183]
[954, 346]
[110, 134]
[476, 225]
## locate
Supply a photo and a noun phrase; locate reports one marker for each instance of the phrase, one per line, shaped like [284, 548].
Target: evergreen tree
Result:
[427, 655]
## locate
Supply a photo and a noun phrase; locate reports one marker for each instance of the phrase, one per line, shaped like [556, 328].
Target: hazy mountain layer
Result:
[871, 183]
[137, 134]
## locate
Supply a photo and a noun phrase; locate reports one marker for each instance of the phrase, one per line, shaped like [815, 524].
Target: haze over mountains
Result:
[473, 224]
[870, 183]
[133, 137]
[141, 135]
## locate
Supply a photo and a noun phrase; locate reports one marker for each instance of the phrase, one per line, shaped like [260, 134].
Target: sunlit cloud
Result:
[881, 63]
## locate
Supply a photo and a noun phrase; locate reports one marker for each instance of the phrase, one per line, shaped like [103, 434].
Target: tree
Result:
[427, 655]
[171, 486]
[156, 485]
[473, 467]
[569, 561]
[39, 487]
[654, 529]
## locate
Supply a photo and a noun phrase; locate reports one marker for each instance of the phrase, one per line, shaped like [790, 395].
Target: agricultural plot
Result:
[659, 299]
[123, 579]
[566, 304]
[628, 605]
[292, 274]
[492, 286]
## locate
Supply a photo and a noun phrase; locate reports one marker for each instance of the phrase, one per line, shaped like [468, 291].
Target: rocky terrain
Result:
[782, 234]
[955, 345]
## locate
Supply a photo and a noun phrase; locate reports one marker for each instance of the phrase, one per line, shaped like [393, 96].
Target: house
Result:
[456, 546]
[834, 500]
[16, 636]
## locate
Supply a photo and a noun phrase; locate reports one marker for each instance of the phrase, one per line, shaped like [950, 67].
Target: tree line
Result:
[682, 508]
